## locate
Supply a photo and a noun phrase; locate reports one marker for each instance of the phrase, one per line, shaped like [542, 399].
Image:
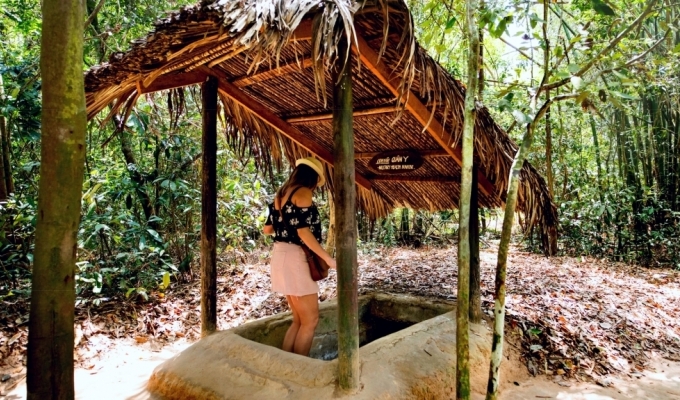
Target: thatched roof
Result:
[273, 59]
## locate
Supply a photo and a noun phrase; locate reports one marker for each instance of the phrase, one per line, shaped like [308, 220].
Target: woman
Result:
[294, 221]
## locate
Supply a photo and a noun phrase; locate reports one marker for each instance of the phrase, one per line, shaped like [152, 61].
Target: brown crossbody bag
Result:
[318, 268]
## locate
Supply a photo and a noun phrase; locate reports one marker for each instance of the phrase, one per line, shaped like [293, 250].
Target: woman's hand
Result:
[308, 238]
[331, 263]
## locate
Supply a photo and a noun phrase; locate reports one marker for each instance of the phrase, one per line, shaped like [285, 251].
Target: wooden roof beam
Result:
[293, 66]
[402, 178]
[172, 81]
[329, 116]
[239, 96]
[423, 153]
[389, 79]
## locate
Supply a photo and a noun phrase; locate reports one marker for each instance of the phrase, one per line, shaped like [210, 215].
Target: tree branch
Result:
[528, 57]
[638, 58]
[94, 14]
[648, 10]
[541, 112]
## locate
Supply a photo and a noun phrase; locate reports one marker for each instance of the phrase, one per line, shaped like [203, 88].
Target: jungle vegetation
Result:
[609, 145]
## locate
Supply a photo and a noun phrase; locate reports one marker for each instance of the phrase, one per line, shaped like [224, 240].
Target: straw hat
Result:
[314, 164]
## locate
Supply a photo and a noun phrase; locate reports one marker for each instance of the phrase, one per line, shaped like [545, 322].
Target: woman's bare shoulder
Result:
[303, 197]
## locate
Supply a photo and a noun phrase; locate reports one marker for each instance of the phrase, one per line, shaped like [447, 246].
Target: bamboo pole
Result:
[209, 208]
[345, 222]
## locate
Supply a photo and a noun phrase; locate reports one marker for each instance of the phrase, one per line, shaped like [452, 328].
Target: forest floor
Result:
[581, 325]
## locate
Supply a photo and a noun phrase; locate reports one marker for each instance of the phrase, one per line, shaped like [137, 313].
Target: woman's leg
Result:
[289, 339]
[308, 309]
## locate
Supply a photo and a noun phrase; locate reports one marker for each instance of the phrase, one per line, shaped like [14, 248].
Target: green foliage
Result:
[17, 229]
[602, 8]
[410, 228]
[607, 229]
[21, 103]
[141, 208]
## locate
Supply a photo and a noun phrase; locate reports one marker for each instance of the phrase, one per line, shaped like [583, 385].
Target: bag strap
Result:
[290, 196]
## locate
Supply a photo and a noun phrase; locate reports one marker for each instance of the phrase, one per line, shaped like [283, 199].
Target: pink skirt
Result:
[290, 271]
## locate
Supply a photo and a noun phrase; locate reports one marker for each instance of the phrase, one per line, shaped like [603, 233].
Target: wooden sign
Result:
[396, 162]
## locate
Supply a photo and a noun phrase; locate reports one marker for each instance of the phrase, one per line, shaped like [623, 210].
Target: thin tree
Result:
[463, 302]
[7, 185]
[530, 124]
[4, 192]
[475, 271]
[64, 120]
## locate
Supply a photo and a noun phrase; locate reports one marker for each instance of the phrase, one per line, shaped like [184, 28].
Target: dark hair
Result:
[303, 175]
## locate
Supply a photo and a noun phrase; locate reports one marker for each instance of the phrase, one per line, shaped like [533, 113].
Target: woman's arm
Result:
[269, 224]
[303, 198]
[308, 238]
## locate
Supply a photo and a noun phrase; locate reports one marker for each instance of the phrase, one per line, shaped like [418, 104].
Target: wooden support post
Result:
[475, 273]
[345, 223]
[209, 209]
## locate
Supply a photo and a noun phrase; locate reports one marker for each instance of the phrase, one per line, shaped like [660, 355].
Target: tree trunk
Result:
[6, 181]
[463, 301]
[7, 160]
[405, 229]
[548, 153]
[501, 266]
[64, 120]
[561, 147]
[135, 174]
[3, 127]
[209, 209]
[345, 219]
[480, 66]
[675, 191]
[639, 130]
[654, 145]
[475, 273]
[619, 117]
[508, 218]
[597, 158]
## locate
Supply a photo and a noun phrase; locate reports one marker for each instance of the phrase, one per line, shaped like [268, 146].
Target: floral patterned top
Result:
[290, 218]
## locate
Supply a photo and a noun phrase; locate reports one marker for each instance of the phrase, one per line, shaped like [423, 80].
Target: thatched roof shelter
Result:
[273, 61]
